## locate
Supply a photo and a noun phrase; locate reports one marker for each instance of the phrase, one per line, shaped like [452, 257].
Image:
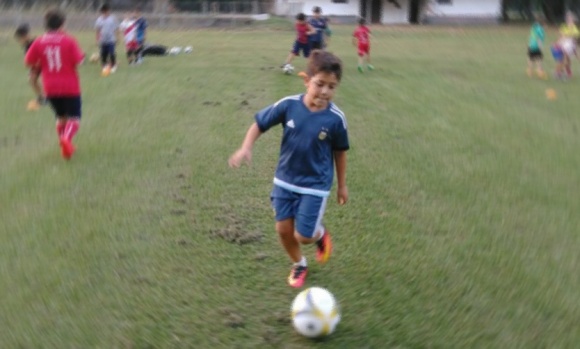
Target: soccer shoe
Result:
[114, 69]
[106, 71]
[323, 248]
[370, 67]
[66, 148]
[360, 69]
[297, 276]
[33, 105]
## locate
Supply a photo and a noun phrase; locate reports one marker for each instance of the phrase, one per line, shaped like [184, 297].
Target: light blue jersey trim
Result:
[301, 190]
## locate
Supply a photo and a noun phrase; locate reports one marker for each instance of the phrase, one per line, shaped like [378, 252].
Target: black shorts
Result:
[535, 54]
[66, 107]
[316, 45]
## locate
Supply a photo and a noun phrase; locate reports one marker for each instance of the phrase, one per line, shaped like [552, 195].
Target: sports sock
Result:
[319, 236]
[302, 262]
[72, 126]
[60, 126]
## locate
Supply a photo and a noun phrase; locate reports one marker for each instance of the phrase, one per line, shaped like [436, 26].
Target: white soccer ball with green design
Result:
[315, 312]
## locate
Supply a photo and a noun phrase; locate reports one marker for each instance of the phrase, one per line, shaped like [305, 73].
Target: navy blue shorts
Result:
[66, 107]
[316, 45]
[306, 210]
[304, 47]
[107, 50]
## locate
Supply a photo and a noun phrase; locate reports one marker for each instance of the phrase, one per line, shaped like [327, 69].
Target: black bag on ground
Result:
[154, 50]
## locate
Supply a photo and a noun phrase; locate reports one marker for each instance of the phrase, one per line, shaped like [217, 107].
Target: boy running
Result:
[107, 32]
[56, 55]
[303, 30]
[361, 39]
[314, 140]
[23, 37]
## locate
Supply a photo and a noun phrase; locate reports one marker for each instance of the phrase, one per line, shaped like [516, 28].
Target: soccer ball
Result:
[174, 51]
[315, 312]
[94, 58]
[188, 49]
[288, 69]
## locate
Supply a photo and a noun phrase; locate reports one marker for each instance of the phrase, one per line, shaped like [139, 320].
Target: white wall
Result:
[478, 8]
[393, 15]
[331, 9]
[291, 7]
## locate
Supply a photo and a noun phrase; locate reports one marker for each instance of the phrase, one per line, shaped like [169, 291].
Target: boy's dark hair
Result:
[54, 19]
[105, 8]
[317, 9]
[22, 31]
[324, 62]
[362, 21]
[301, 16]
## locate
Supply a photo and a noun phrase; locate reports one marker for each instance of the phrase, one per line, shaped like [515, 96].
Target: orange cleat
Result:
[297, 276]
[323, 248]
[66, 148]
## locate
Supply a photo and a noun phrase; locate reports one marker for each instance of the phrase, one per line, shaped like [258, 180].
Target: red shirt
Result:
[57, 55]
[361, 33]
[301, 31]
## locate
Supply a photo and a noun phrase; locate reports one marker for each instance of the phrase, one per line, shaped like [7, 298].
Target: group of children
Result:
[314, 129]
[312, 147]
[314, 34]
[562, 50]
[132, 28]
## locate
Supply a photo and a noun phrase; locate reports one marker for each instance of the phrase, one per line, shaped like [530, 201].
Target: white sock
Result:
[302, 262]
[319, 234]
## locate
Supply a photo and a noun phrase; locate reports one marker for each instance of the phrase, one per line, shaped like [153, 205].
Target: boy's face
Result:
[22, 39]
[320, 89]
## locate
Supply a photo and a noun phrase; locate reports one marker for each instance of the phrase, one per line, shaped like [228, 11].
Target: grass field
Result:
[462, 230]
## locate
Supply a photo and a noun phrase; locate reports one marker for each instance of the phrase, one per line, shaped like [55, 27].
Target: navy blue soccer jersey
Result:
[306, 163]
[320, 25]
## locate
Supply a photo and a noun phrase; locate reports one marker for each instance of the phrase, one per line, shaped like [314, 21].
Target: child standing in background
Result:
[361, 39]
[535, 56]
[107, 33]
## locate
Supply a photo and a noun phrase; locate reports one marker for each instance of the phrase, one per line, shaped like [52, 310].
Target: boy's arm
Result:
[265, 119]
[98, 30]
[31, 59]
[78, 53]
[311, 29]
[340, 164]
[245, 151]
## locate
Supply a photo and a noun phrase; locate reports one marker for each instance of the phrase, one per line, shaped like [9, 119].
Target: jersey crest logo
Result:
[290, 124]
[322, 135]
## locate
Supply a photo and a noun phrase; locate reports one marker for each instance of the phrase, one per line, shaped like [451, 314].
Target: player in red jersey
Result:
[57, 54]
[361, 39]
[303, 30]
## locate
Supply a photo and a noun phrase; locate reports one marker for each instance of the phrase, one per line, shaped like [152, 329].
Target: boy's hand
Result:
[342, 194]
[239, 157]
